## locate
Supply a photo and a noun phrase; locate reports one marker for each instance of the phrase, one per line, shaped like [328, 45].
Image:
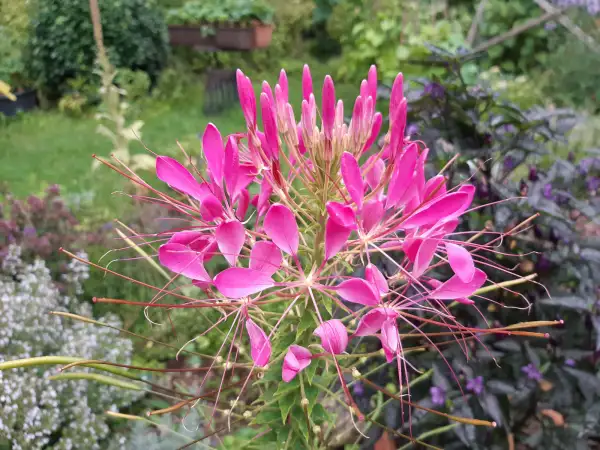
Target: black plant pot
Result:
[25, 101]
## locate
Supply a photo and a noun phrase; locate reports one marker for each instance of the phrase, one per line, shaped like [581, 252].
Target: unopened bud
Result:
[304, 402]
[355, 373]
[219, 359]
[227, 412]
[247, 415]
[317, 429]
[228, 365]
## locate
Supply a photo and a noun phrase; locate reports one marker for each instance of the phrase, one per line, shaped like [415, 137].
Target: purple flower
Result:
[434, 90]
[592, 183]
[29, 231]
[570, 362]
[358, 389]
[412, 129]
[547, 191]
[509, 163]
[533, 175]
[475, 385]
[532, 372]
[438, 395]
[53, 189]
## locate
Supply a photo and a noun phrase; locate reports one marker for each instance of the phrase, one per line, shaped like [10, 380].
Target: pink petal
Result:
[301, 146]
[372, 82]
[411, 247]
[230, 238]
[364, 89]
[419, 180]
[357, 290]
[389, 339]
[238, 282]
[352, 179]
[283, 83]
[455, 288]
[440, 208]
[188, 237]
[242, 205]
[336, 236]
[373, 170]
[375, 129]
[260, 347]
[247, 98]
[296, 359]
[270, 126]
[334, 337]
[307, 86]
[265, 257]
[266, 89]
[328, 107]
[357, 118]
[212, 146]
[376, 278]
[371, 214]
[263, 198]
[461, 262]
[178, 177]
[211, 208]
[281, 227]
[469, 191]
[424, 256]
[397, 94]
[231, 166]
[435, 187]
[397, 126]
[402, 177]
[341, 214]
[371, 322]
[184, 261]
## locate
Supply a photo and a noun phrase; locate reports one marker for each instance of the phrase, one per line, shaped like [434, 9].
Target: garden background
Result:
[511, 86]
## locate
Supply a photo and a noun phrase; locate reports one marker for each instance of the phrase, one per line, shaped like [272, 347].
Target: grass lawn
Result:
[45, 147]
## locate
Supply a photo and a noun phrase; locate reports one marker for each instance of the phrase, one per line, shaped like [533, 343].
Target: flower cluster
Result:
[294, 207]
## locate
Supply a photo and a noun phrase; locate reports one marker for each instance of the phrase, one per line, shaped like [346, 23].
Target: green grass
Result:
[46, 147]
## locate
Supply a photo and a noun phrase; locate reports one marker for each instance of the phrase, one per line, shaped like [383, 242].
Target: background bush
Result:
[62, 43]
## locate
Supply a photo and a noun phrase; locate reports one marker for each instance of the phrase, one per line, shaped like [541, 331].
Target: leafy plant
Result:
[14, 32]
[62, 42]
[217, 11]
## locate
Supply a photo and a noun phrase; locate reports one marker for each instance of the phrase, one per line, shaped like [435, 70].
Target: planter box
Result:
[191, 36]
[26, 101]
[238, 38]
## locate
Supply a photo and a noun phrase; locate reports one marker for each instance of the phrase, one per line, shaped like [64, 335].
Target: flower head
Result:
[475, 385]
[532, 372]
[438, 395]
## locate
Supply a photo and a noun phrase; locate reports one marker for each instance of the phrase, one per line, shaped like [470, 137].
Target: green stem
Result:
[430, 433]
[62, 360]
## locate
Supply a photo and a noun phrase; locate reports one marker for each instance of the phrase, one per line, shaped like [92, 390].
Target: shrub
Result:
[14, 28]
[62, 42]
[35, 411]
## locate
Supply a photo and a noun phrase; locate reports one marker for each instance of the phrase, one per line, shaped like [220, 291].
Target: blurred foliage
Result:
[218, 11]
[14, 29]
[62, 42]
[381, 33]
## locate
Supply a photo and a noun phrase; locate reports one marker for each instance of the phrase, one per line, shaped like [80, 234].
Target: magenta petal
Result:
[371, 322]
[263, 198]
[188, 237]
[230, 238]
[247, 98]
[371, 214]
[260, 347]
[352, 179]
[336, 236]
[184, 261]
[440, 208]
[283, 83]
[357, 290]
[424, 256]
[402, 177]
[342, 214]
[211, 208]
[461, 262]
[376, 278]
[375, 129]
[373, 171]
[238, 282]
[178, 177]
[334, 337]
[372, 82]
[231, 166]
[397, 94]
[390, 340]
[455, 288]
[296, 359]
[265, 257]
[435, 187]
[281, 227]
[242, 205]
[307, 85]
[328, 107]
[397, 126]
[270, 126]
[212, 146]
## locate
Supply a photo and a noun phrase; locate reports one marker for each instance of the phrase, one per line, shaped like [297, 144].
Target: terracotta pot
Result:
[244, 38]
[26, 100]
[190, 36]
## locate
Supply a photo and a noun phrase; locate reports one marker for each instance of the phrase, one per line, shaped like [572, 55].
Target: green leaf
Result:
[285, 388]
[266, 416]
[319, 414]
[299, 421]
[307, 321]
[311, 393]
[311, 370]
[285, 404]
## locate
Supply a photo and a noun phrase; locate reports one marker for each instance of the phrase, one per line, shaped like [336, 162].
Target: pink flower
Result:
[260, 346]
[334, 337]
[296, 360]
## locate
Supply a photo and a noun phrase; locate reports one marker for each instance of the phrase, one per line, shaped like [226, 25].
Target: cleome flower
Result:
[294, 206]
